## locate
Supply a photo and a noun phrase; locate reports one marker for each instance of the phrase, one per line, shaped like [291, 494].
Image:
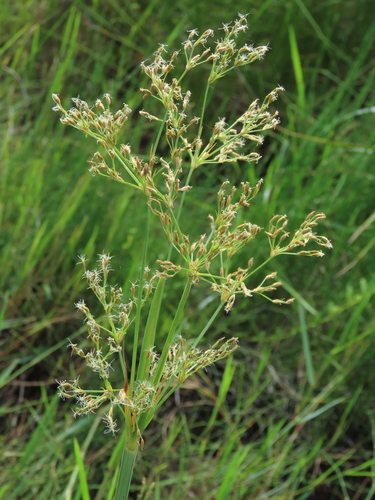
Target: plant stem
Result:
[149, 333]
[129, 455]
[139, 306]
[204, 105]
[184, 194]
[172, 332]
[208, 324]
[126, 473]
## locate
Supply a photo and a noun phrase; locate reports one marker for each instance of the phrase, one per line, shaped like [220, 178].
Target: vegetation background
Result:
[292, 414]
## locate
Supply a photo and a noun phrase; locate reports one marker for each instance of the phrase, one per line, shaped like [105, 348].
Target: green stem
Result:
[129, 455]
[167, 391]
[146, 418]
[176, 225]
[172, 333]
[126, 473]
[149, 333]
[139, 306]
[161, 128]
[259, 267]
[209, 323]
[203, 110]
[184, 194]
[128, 169]
[177, 217]
[122, 363]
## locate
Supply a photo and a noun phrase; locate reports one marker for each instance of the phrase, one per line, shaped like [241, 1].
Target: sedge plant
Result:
[164, 180]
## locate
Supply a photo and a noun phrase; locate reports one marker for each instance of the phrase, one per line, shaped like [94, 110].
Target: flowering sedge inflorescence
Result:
[107, 338]
[191, 145]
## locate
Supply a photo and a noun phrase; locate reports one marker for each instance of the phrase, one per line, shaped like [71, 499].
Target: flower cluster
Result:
[226, 55]
[277, 234]
[149, 377]
[182, 361]
[118, 314]
[97, 120]
[228, 142]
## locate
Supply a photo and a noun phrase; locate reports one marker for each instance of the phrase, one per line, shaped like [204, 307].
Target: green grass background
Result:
[292, 414]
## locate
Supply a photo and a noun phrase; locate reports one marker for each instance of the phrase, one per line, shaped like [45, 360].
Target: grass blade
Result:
[297, 66]
[306, 346]
[81, 470]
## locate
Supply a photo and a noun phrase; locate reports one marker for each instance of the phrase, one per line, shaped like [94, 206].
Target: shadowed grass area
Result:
[291, 415]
